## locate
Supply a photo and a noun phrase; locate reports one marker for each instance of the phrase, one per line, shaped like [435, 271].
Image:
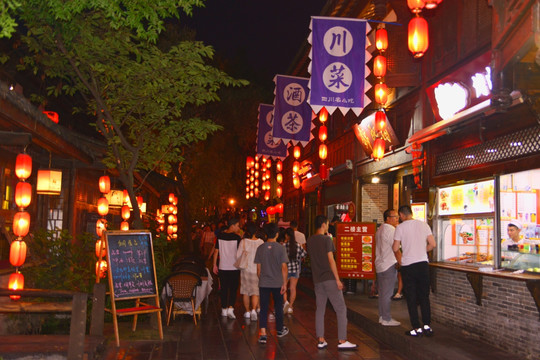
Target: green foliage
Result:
[61, 262]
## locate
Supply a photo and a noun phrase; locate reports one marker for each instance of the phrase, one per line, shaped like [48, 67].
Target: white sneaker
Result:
[253, 315]
[289, 310]
[347, 346]
[380, 320]
[247, 315]
[390, 322]
[285, 307]
[224, 312]
[230, 313]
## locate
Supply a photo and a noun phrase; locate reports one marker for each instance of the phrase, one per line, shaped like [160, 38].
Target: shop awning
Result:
[446, 126]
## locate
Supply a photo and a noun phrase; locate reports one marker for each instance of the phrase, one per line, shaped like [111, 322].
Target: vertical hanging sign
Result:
[338, 64]
[292, 114]
[265, 141]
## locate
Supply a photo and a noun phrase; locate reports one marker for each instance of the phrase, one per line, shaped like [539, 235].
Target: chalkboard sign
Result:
[130, 258]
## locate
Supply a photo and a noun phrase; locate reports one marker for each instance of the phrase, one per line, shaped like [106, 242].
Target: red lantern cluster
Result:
[104, 184]
[253, 173]
[417, 163]
[172, 219]
[381, 93]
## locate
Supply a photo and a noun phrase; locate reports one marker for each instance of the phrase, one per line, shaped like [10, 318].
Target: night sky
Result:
[260, 38]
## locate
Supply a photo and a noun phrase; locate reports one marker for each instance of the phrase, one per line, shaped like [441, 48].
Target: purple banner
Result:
[265, 140]
[292, 112]
[338, 64]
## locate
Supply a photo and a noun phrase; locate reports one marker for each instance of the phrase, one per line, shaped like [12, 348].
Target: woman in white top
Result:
[249, 281]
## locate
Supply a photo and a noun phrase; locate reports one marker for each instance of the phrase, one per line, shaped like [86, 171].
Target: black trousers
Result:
[229, 281]
[416, 288]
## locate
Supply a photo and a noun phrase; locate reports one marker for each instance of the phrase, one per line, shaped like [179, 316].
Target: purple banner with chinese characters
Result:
[292, 113]
[338, 64]
[265, 140]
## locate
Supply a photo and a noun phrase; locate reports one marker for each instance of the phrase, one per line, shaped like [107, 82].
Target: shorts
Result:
[293, 275]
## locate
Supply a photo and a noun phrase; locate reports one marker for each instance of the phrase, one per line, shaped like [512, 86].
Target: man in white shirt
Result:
[416, 239]
[298, 236]
[385, 266]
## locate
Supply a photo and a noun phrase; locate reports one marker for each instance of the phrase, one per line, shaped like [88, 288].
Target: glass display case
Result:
[527, 260]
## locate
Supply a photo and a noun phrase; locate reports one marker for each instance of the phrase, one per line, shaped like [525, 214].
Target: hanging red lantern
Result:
[100, 249]
[295, 167]
[379, 66]
[101, 268]
[267, 174]
[17, 253]
[101, 225]
[268, 163]
[323, 151]
[23, 194]
[170, 229]
[415, 171]
[323, 133]
[417, 162]
[296, 152]
[323, 115]
[249, 162]
[247, 196]
[279, 178]
[279, 166]
[416, 6]
[296, 181]
[251, 193]
[124, 226]
[381, 39]
[267, 195]
[432, 4]
[270, 210]
[105, 184]
[103, 206]
[256, 166]
[16, 282]
[380, 120]
[125, 197]
[323, 172]
[279, 191]
[140, 200]
[381, 93]
[279, 208]
[378, 149]
[21, 223]
[418, 36]
[172, 219]
[126, 213]
[256, 182]
[23, 166]
[255, 192]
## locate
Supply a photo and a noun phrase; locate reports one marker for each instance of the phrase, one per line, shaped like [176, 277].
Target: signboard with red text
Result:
[356, 250]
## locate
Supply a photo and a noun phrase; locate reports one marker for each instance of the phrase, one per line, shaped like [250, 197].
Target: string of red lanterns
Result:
[381, 92]
[104, 184]
[296, 166]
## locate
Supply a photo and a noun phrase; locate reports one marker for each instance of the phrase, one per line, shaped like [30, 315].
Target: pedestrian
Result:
[298, 236]
[229, 276]
[296, 253]
[249, 281]
[327, 284]
[208, 240]
[385, 266]
[415, 239]
[271, 259]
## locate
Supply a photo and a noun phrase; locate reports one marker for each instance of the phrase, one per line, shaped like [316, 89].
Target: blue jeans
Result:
[264, 294]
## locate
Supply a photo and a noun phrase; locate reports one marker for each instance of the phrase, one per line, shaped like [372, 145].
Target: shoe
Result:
[284, 331]
[427, 330]
[253, 315]
[247, 315]
[262, 339]
[347, 346]
[373, 296]
[380, 320]
[285, 307]
[289, 310]
[390, 322]
[223, 312]
[414, 332]
[398, 296]
[230, 313]
[322, 345]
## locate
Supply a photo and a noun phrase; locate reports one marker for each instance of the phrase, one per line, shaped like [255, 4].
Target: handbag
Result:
[241, 262]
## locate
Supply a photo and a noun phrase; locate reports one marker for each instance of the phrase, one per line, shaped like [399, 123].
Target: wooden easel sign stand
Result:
[132, 276]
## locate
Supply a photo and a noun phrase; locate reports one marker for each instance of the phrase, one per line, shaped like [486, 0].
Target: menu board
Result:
[356, 250]
[130, 258]
[473, 198]
[419, 211]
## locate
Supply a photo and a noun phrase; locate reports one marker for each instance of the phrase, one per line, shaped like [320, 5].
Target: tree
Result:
[136, 91]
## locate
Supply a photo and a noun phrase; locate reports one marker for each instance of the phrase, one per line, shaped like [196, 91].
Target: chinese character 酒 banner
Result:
[292, 113]
[265, 140]
[338, 64]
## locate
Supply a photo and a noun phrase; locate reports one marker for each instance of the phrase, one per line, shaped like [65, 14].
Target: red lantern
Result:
[254, 192]
[296, 181]
[268, 163]
[172, 219]
[101, 268]
[416, 6]
[101, 249]
[125, 197]
[380, 121]
[247, 196]
[267, 174]
[279, 191]
[21, 223]
[270, 210]
[296, 152]
[249, 162]
[279, 208]
[124, 226]
[323, 172]
[126, 213]
[381, 93]
[266, 195]
[295, 167]
[418, 36]
[379, 66]
[53, 116]
[23, 166]
[323, 115]
[432, 4]
[417, 162]
[17, 253]
[23, 194]
[105, 184]
[378, 149]
[323, 151]
[101, 225]
[256, 166]
[251, 193]
[279, 178]
[323, 133]
[381, 39]
[279, 166]
[170, 229]
[256, 182]
[16, 282]
[102, 206]
[140, 201]
[415, 171]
